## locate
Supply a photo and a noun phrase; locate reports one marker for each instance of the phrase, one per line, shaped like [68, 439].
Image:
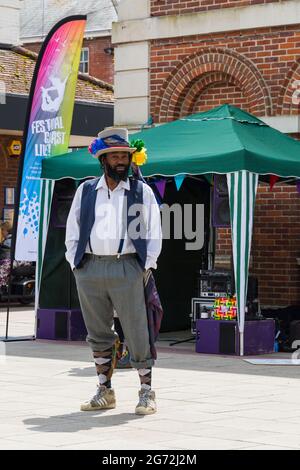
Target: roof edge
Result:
[82, 76]
[95, 81]
[26, 52]
[94, 33]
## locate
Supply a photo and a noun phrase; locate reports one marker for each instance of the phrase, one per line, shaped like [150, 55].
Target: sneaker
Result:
[146, 404]
[103, 400]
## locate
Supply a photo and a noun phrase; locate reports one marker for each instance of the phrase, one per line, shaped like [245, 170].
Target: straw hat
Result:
[113, 139]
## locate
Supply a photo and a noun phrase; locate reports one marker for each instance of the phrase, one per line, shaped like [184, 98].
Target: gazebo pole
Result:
[242, 187]
[46, 191]
[241, 343]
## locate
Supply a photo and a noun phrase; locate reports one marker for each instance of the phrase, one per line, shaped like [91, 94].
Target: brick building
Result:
[97, 52]
[173, 58]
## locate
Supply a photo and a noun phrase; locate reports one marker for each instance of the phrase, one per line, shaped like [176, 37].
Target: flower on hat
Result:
[96, 145]
[139, 157]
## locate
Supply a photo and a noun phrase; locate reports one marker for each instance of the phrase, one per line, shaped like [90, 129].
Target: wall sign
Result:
[15, 148]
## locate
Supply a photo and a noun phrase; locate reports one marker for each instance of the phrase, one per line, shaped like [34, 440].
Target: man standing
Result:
[110, 249]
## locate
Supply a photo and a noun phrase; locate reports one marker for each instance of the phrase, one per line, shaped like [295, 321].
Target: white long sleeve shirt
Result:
[107, 229]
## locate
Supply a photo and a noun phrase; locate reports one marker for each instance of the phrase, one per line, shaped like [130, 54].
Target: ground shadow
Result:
[76, 422]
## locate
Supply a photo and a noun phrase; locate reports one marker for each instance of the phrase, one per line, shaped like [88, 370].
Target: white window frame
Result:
[83, 62]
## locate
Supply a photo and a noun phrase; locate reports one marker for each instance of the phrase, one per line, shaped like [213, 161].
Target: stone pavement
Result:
[204, 401]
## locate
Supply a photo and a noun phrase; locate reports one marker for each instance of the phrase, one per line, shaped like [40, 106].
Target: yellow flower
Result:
[139, 158]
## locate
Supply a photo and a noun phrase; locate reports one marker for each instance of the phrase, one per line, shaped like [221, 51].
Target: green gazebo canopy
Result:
[222, 140]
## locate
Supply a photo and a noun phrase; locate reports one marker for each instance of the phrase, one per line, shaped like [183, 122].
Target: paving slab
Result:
[204, 401]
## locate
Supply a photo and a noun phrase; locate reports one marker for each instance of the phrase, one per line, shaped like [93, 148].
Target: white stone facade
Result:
[10, 22]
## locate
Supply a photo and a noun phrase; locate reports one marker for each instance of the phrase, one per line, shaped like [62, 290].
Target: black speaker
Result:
[227, 338]
[63, 196]
[252, 292]
[221, 211]
[61, 325]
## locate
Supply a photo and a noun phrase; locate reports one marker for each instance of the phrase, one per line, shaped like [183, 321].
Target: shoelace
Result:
[145, 399]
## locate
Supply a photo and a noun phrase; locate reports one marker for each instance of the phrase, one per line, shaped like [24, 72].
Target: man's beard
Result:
[117, 175]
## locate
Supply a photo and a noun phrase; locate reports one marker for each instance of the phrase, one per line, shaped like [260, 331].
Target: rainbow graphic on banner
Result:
[48, 124]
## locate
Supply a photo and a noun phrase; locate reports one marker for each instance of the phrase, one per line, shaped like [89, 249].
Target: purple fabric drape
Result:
[154, 310]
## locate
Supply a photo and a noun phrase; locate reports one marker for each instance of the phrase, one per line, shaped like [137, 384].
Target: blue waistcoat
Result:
[87, 218]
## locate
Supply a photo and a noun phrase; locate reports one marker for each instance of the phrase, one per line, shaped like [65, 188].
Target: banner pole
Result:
[8, 300]
[31, 114]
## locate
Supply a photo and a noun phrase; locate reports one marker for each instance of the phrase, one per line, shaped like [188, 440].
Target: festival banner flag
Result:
[273, 181]
[161, 186]
[179, 180]
[47, 126]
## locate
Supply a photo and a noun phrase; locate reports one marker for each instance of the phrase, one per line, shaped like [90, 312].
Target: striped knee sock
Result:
[145, 376]
[104, 366]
